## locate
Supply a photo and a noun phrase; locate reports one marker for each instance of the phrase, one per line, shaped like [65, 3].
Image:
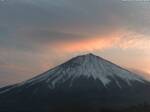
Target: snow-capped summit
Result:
[87, 66]
[84, 81]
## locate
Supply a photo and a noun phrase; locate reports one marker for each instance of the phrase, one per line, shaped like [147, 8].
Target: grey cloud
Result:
[46, 36]
[27, 25]
[85, 16]
[69, 14]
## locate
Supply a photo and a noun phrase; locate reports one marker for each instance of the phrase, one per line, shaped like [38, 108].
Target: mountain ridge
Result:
[84, 81]
[89, 63]
[92, 65]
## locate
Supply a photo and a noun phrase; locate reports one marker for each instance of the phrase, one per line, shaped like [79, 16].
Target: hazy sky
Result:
[36, 35]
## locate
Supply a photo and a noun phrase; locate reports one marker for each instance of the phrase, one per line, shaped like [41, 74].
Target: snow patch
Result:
[87, 66]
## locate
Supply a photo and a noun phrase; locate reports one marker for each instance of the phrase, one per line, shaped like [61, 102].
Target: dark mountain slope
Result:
[85, 83]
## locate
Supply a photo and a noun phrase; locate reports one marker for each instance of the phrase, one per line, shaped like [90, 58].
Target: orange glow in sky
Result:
[140, 61]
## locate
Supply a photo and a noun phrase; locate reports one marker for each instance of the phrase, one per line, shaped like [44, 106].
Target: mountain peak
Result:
[89, 54]
[90, 65]
[87, 66]
[82, 80]
[85, 59]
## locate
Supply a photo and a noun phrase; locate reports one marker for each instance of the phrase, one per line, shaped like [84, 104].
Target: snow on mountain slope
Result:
[88, 66]
[84, 81]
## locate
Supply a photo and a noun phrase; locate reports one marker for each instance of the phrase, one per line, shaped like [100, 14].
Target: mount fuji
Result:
[85, 83]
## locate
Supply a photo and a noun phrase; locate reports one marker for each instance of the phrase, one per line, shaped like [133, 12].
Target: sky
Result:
[37, 35]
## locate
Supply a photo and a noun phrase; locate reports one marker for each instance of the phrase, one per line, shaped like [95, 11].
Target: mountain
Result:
[85, 83]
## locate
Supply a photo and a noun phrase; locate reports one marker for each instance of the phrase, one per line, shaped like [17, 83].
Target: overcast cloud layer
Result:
[38, 34]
